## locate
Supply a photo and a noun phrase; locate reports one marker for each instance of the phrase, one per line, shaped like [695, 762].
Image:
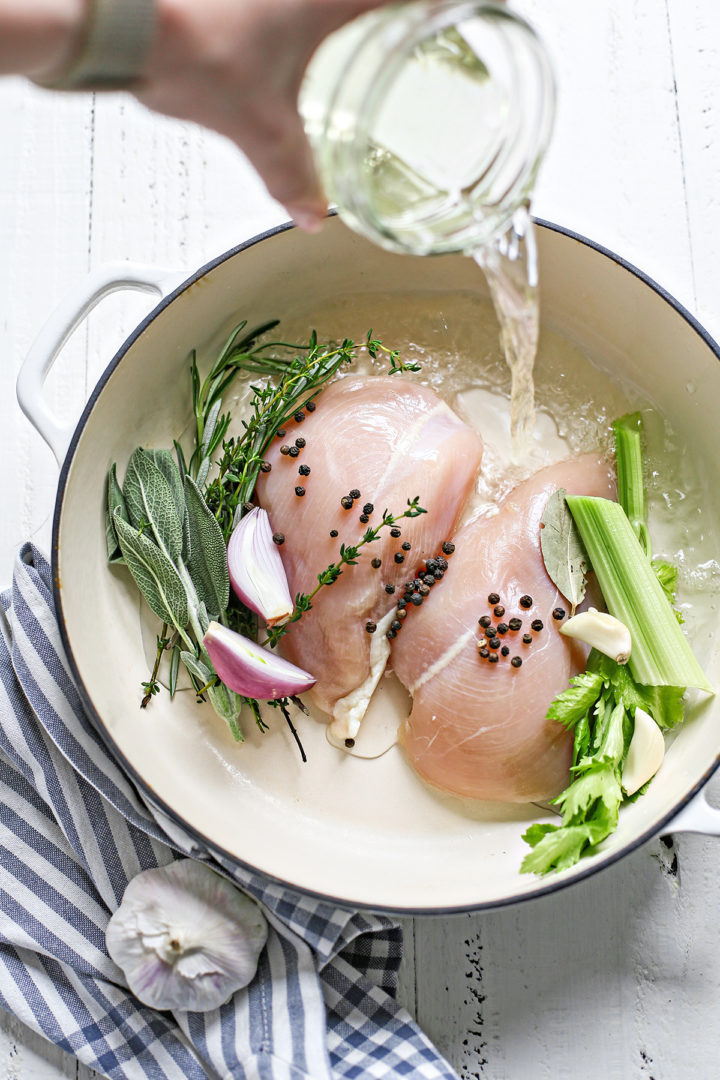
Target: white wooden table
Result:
[618, 976]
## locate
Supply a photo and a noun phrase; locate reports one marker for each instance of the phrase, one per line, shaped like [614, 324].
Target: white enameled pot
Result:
[366, 833]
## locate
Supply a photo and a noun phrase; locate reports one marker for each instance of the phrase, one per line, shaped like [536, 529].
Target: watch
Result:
[117, 39]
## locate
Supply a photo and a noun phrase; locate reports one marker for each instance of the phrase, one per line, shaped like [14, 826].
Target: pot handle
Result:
[697, 817]
[112, 277]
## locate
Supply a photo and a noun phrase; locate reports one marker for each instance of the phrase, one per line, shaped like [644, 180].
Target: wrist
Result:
[41, 36]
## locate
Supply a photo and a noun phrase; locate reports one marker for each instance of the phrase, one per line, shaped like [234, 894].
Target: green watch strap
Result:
[115, 48]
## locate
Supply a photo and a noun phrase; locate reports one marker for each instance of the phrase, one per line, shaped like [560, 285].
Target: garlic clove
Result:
[186, 938]
[645, 753]
[601, 631]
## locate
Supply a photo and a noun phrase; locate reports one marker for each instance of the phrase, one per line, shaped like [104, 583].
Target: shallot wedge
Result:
[249, 669]
[256, 570]
[478, 728]
[391, 440]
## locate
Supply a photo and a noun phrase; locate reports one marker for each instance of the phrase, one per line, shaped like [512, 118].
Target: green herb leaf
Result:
[115, 501]
[154, 574]
[207, 560]
[174, 669]
[149, 499]
[574, 703]
[565, 558]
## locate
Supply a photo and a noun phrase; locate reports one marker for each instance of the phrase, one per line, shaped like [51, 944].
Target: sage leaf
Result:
[197, 668]
[155, 575]
[228, 705]
[565, 558]
[207, 562]
[115, 501]
[166, 464]
[150, 503]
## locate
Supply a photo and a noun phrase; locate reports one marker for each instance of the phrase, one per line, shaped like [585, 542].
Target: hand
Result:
[236, 66]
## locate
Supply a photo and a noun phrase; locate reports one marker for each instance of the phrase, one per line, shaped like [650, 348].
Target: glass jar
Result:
[428, 122]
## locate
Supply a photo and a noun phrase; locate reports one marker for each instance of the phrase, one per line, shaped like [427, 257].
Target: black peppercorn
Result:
[265, 467]
[424, 590]
[428, 579]
[401, 602]
[493, 658]
[294, 452]
[304, 470]
[448, 548]
[376, 563]
[494, 643]
[364, 518]
[390, 589]
[391, 634]
[484, 620]
[416, 599]
[310, 406]
[371, 627]
[442, 563]
[401, 613]
[526, 601]
[285, 450]
[300, 442]
[281, 433]
[484, 652]
[493, 599]
[502, 628]
[333, 533]
[430, 565]
[536, 624]
[346, 502]
[439, 575]
[505, 651]
[300, 490]
[368, 508]
[396, 625]
[499, 611]
[399, 557]
[516, 661]
[299, 417]
[395, 532]
[515, 624]
[278, 538]
[527, 639]
[354, 494]
[558, 613]
[406, 546]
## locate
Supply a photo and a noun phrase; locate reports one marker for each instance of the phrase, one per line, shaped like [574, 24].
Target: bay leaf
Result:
[154, 574]
[207, 561]
[150, 502]
[565, 558]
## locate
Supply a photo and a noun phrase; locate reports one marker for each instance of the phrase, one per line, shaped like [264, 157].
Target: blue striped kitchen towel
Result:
[74, 831]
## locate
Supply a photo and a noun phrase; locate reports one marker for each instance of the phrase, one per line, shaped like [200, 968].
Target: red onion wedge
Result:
[257, 574]
[249, 669]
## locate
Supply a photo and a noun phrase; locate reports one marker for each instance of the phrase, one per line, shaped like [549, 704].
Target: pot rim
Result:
[547, 887]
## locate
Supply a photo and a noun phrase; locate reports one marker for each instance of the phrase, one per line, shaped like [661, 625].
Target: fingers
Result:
[280, 152]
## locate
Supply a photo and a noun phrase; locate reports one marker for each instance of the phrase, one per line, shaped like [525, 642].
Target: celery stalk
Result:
[661, 655]
[631, 485]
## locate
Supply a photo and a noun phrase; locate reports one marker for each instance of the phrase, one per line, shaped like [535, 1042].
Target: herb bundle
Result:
[170, 521]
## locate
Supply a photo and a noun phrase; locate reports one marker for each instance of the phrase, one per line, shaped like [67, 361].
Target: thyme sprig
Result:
[349, 555]
[397, 366]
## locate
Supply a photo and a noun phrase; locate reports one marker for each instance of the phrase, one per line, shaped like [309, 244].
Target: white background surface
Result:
[619, 976]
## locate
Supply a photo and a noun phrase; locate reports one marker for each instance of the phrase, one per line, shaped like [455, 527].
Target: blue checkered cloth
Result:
[74, 831]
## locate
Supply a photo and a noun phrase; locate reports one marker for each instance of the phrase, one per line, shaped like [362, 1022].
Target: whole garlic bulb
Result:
[185, 937]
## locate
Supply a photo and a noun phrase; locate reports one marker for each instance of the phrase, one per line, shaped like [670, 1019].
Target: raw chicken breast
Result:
[391, 440]
[478, 729]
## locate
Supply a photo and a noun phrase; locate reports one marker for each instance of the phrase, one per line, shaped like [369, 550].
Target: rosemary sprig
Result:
[273, 405]
[349, 555]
